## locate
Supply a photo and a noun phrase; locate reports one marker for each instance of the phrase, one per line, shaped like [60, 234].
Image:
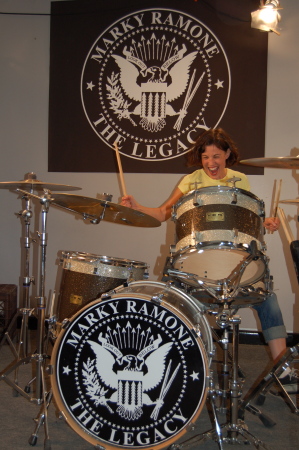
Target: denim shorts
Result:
[271, 318]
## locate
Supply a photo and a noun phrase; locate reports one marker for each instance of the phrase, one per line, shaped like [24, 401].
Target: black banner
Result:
[150, 77]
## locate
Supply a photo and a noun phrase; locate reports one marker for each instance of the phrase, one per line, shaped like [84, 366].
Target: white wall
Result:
[24, 84]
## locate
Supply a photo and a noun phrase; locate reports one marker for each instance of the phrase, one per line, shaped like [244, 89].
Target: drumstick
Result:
[276, 200]
[121, 174]
[275, 206]
[285, 225]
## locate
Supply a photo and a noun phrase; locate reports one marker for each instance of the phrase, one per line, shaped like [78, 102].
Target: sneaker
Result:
[291, 382]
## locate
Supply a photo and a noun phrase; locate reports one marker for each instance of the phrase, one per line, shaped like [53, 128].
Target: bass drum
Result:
[131, 369]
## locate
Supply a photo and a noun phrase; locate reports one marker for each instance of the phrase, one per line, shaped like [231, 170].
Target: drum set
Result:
[131, 359]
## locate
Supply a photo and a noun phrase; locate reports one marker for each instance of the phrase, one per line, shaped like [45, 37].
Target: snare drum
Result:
[85, 277]
[131, 369]
[214, 229]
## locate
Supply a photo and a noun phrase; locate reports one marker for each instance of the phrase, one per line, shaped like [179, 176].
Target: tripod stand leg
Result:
[236, 427]
[218, 431]
[249, 438]
[214, 434]
[20, 351]
[263, 387]
[42, 419]
[6, 335]
[286, 396]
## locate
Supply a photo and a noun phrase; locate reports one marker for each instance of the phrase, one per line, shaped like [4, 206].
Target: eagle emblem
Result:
[129, 377]
[155, 86]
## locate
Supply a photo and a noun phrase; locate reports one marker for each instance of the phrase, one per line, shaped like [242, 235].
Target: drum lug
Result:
[212, 353]
[189, 427]
[65, 323]
[173, 213]
[50, 369]
[62, 416]
[234, 199]
[262, 209]
[157, 298]
[100, 447]
[196, 236]
[235, 236]
[146, 276]
[196, 331]
[172, 249]
[107, 295]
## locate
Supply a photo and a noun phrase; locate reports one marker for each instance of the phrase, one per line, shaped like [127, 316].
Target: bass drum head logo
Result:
[153, 81]
[130, 373]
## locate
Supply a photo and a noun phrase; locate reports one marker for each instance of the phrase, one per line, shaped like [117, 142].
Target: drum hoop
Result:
[209, 189]
[170, 287]
[219, 244]
[183, 253]
[108, 260]
[63, 407]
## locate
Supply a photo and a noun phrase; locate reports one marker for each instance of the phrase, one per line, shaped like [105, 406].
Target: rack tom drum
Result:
[85, 277]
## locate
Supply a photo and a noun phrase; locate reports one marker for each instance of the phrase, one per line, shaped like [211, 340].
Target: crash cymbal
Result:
[31, 183]
[280, 162]
[96, 210]
[295, 201]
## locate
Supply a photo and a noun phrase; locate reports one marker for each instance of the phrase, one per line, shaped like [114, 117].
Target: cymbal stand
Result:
[41, 300]
[25, 311]
[39, 357]
[41, 390]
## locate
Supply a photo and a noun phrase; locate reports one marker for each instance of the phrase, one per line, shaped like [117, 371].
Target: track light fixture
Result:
[266, 18]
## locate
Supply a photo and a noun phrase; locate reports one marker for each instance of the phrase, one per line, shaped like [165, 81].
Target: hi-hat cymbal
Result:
[294, 201]
[280, 162]
[36, 185]
[96, 210]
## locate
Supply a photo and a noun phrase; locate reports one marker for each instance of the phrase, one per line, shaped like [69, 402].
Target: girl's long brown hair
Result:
[217, 137]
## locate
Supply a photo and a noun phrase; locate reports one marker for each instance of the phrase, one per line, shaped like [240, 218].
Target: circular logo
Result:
[129, 372]
[153, 81]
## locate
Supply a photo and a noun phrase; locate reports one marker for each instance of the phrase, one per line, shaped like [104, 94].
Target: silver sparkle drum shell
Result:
[214, 229]
[86, 276]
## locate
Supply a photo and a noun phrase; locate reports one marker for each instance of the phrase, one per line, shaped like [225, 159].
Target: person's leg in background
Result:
[275, 335]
